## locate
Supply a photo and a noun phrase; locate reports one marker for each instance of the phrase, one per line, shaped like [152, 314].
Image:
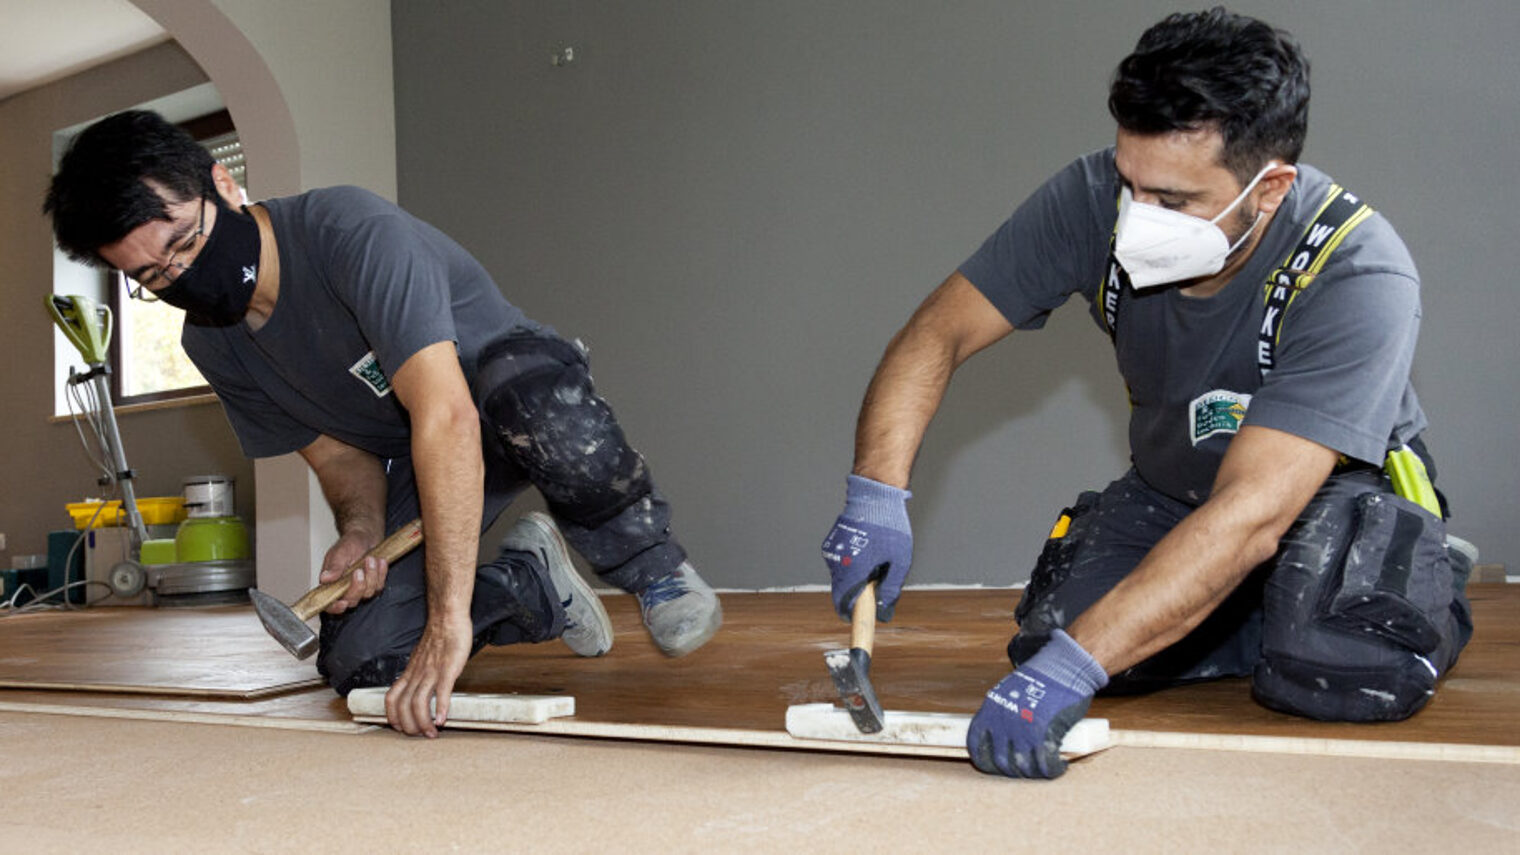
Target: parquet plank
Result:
[211, 652]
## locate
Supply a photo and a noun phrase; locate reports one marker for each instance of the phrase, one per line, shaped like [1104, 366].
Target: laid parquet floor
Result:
[940, 654]
[207, 652]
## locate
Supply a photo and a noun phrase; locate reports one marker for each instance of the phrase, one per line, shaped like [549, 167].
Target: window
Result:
[148, 363]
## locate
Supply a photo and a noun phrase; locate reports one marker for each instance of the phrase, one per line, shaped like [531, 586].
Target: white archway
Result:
[247, 86]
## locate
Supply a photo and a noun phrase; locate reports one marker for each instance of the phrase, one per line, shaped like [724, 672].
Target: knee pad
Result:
[1358, 609]
[553, 425]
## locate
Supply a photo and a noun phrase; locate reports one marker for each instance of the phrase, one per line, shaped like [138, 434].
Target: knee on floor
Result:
[1391, 690]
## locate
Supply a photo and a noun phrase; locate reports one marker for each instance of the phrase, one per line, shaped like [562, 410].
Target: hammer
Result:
[288, 623]
[851, 669]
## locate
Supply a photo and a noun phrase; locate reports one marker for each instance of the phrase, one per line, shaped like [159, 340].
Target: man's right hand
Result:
[366, 581]
[872, 539]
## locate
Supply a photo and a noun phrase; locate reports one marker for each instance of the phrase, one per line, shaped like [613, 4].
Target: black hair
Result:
[105, 186]
[1217, 69]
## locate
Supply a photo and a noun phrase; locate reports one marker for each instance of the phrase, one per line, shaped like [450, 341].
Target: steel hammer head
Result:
[851, 670]
[290, 631]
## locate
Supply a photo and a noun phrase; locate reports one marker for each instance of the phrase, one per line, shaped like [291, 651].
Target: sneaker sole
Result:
[579, 589]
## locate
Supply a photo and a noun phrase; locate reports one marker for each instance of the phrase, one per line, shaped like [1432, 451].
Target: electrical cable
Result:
[40, 604]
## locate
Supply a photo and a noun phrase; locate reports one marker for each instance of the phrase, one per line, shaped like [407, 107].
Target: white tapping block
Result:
[465, 707]
[945, 730]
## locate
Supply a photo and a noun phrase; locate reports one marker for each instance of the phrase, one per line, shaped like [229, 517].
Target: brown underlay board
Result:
[210, 652]
[940, 654]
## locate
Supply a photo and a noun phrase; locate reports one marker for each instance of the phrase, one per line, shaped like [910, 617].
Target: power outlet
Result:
[2, 541]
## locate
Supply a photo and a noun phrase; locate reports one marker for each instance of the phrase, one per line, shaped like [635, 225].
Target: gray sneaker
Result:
[588, 630]
[680, 611]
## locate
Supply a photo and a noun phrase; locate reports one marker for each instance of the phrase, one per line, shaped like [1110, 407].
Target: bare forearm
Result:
[953, 323]
[353, 483]
[450, 478]
[1264, 482]
[1184, 578]
[904, 394]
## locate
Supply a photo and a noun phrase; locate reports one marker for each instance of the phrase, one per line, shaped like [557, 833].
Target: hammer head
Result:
[851, 670]
[279, 621]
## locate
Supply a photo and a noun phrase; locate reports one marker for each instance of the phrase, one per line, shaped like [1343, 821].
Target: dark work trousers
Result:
[1301, 623]
[542, 425]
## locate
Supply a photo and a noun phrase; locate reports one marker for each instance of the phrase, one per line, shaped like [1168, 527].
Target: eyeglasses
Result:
[146, 294]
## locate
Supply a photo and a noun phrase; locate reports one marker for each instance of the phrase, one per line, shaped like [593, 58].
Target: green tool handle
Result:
[1410, 479]
[84, 323]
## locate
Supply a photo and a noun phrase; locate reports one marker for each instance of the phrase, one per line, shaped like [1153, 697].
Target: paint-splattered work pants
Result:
[1354, 619]
[542, 425]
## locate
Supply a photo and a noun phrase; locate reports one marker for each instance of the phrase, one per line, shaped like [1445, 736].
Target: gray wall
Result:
[42, 466]
[737, 204]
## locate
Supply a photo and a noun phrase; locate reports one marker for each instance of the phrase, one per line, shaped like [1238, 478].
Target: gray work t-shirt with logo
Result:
[363, 287]
[1341, 377]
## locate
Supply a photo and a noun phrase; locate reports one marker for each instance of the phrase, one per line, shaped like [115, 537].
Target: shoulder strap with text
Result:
[1341, 212]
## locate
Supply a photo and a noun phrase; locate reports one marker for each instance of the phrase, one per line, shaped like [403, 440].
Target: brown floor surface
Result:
[207, 652]
[940, 654]
[85, 785]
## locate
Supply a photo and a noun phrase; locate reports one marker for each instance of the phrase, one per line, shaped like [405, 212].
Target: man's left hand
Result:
[437, 660]
[1018, 730]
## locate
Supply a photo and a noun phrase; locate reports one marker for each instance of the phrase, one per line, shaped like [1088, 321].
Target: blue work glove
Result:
[1018, 730]
[870, 540]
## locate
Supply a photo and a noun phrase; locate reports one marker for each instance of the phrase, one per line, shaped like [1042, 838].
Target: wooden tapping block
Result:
[465, 708]
[945, 730]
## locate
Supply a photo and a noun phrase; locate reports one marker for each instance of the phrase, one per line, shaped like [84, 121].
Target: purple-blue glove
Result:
[1018, 730]
[871, 540]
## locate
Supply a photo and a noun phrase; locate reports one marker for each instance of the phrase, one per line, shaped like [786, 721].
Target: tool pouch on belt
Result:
[1055, 559]
[1396, 580]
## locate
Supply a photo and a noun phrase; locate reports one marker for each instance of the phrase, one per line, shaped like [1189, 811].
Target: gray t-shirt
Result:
[1341, 377]
[363, 286]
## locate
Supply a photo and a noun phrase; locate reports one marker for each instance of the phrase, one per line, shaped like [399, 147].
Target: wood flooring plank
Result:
[210, 652]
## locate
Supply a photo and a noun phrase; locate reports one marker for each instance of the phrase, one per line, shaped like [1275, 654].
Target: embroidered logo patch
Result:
[368, 370]
[1219, 411]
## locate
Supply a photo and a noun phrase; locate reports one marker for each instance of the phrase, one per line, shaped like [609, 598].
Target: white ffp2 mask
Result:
[1156, 245]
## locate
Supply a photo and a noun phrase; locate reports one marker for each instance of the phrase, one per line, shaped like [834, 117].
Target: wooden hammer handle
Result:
[402, 541]
[863, 619]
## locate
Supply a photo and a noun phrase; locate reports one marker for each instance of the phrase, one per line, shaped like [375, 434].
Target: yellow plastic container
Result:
[155, 510]
[162, 510]
[82, 512]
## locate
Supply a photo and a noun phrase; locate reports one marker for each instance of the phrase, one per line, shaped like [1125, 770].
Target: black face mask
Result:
[218, 286]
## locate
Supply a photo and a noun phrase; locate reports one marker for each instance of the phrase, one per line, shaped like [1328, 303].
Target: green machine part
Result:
[86, 323]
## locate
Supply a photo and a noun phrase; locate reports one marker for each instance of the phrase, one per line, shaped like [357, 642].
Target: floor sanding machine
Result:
[207, 560]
